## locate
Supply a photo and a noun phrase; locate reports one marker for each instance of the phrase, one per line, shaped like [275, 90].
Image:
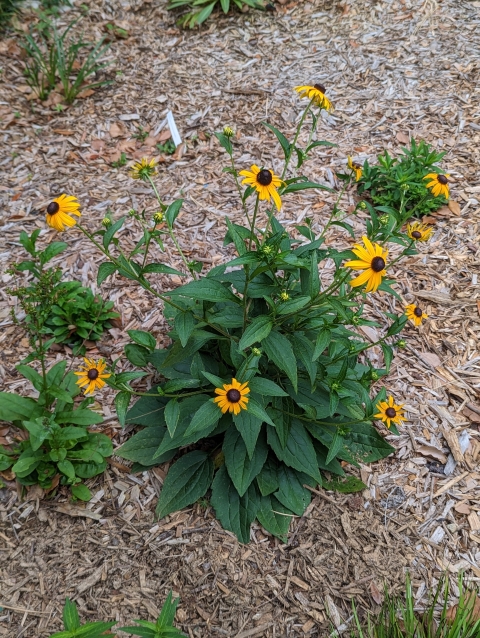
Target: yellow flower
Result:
[415, 314]
[389, 412]
[438, 184]
[317, 94]
[91, 375]
[419, 232]
[143, 169]
[266, 183]
[284, 296]
[232, 397]
[228, 131]
[59, 211]
[372, 260]
[356, 168]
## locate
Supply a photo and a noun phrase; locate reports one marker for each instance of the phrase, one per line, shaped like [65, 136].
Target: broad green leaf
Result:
[81, 492]
[206, 416]
[314, 287]
[299, 452]
[293, 305]
[346, 485]
[110, 232]
[387, 355]
[274, 517]
[32, 375]
[236, 513]
[205, 290]
[105, 269]
[291, 492]
[25, 465]
[266, 387]
[136, 354]
[60, 394]
[172, 414]
[71, 619]
[122, 401]
[141, 447]
[184, 325]
[173, 211]
[301, 186]
[14, 407]
[336, 446]
[242, 469]
[187, 480]
[249, 427]
[38, 432]
[66, 467]
[280, 416]
[323, 339]
[334, 466]
[52, 250]
[148, 411]
[237, 239]
[79, 417]
[256, 331]
[258, 411]
[267, 479]
[279, 350]
[284, 143]
[162, 268]
[304, 352]
[142, 338]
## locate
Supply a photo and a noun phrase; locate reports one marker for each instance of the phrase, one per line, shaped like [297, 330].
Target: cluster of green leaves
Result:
[55, 442]
[67, 311]
[200, 10]
[53, 57]
[162, 628]
[8, 8]
[400, 618]
[397, 182]
[168, 147]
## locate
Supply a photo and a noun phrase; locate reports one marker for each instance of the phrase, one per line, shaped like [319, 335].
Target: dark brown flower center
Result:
[378, 264]
[319, 87]
[264, 177]
[53, 208]
[416, 234]
[418, 312]
[391, 413]
[442, 179]
[92, 374]
[356, 165]
[234, 396]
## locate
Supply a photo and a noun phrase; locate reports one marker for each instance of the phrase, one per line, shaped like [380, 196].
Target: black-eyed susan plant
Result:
[50, 444]
[411, 184]
[265, 388]
[200, 10]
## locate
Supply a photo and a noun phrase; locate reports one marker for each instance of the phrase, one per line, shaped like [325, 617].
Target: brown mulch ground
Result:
[393, 69]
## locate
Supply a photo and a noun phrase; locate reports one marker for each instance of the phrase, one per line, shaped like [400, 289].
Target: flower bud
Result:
[256, 352]
[362, 205]
[284, 296]
[158, 217]
[401, 343]
[106, 222]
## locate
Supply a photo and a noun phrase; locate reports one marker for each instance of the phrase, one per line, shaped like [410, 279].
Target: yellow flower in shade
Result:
[143, 169]
[60, 210]
[92, 375]
[356, 168]
[372, 260]
[419, 232]
[266, 183]
[232, 397]
[438, 184]
[389, 412]
[317, 94]
[415, 314]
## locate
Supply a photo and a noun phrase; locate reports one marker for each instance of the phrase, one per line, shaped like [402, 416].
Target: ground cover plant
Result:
[411, 182]
[264, 392]
[200, 10]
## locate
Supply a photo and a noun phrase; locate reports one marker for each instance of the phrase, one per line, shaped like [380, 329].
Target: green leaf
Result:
[172, 414]
[66, 467]
[241, 468]
[282, 420]
[38, 432]
[142, 338]
[60, 394]
[141, 447]
[105, 269]
[299, 452]
[291, 492]
[336, 446]
[266, 387]
[274, 517]
[81, 492]
[187, 481]
[304, 351]
[184, 325]
[236, 513]
[258, 411]
[71, 619]
[300, 186]
[32, 375]
[267, 479]
[202, 15]
[173, 211]
[122, 400]
[346, 485]
[284, 143]
[314, 287]
[14, 407]
[249, 427]
[323, 339]
[162, 268]
[293, 305]
[235, 235]
[79, 417]
[279, 350]
[225, 5]
[387, 355]
[110, 232]
[256, 331]
[204, 289]
[205, 417]
[25, 465]
[51, 251]
[136, 354]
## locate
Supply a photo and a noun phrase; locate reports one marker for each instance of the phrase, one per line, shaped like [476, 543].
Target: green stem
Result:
[295, 139]
[252, 226]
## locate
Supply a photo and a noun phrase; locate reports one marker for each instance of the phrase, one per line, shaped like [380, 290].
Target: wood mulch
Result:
[393, 69]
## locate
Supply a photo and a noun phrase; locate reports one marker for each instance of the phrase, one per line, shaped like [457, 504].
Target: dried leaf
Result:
[116, 130]
[454, 207]
[430, 450]
[452, 612]
[85, 93]
[403, 138]
[462, 508]
[374, 591]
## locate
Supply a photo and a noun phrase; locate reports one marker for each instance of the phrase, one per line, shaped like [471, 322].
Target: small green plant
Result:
[397, 182]
[8, 8]
[167, 147]
[399, 618]
[141, 134]
[200, 10]
[121, 161]
[53, 57]
[73, 628]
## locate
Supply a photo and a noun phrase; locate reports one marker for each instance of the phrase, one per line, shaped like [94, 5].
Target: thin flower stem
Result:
[295, 139]
[252, 227]
[334, 210]
[239, 188]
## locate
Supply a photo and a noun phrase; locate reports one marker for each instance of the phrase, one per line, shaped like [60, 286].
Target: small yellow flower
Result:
[59, 211]
[92, 375]
[228, 132]
[284, 296]
[419, 232]
[317, 94]
[355, 167]
[143, 169]
[372, 260]
[438, 184]
[415, 314]
[232, 397]
[390, 413]
[265, 182]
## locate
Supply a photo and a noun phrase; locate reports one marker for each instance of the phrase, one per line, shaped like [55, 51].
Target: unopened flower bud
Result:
[383, 219]
[158, 217]
[284, 296]
[362, 205]
[106, 222]
[401, 343]
[375, 376]
[256, 352]
[228, 132]
[132, 212]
